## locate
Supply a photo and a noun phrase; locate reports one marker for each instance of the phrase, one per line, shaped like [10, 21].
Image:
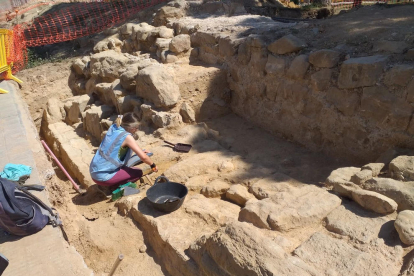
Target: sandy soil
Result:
[42, 83]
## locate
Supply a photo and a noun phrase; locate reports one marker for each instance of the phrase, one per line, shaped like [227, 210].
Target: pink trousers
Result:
[124, 175]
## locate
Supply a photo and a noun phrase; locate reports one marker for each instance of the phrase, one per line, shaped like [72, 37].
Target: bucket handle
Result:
[161, 177]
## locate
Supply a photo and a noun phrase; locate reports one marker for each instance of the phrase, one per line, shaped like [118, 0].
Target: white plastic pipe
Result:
[75, 186]
[116, 264]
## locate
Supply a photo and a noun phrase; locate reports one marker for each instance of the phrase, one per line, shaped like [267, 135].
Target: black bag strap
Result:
[53, 217]
[55, 220]
[33, 187]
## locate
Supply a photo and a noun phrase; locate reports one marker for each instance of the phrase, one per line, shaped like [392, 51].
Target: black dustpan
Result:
[180, 147]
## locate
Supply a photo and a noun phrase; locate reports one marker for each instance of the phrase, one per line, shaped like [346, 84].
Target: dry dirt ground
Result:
[93, 225]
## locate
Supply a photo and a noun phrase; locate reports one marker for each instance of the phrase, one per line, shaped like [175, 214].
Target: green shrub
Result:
[35, 59]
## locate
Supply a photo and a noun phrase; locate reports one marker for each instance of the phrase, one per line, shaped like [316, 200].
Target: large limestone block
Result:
[76, 157]
[385, 108]
[157, 85]
[404, 224]
[108, 43]
[199, 164]
[55, 110]
[402, 168]
[320, 80]
[107, 64]
[361, 72]
[399, 75]
[361, 176]
[171, 235]
[298, 68]
[408, 269]
[202, 38]
[187, 112]
[180, 43]
[324, 58]
[57, 133]
[369, 200]
[90, 85]
[238, 194]
[166, 119]
[228, 45]
[331, 256]
[285, 211]
[104, 90]
[93, 119]
[374, 201]
[345, 101]
[162, 43]
[352, 221]
[287, 44]
[165, 32]
[375, 168]
[341, 176]
[257, 212]
[197, 182]
[127, 29]
[117, 95]
[77, 84]
[75, 107]
[244, 53]
[269, 186]
[81, 66]
[213, 210]
[400, 192]
[72, 151]
[128, 78]
[129, 74]
[275, 65]
[166, 13]
[216, 188]
[242, 249]
[142, 31]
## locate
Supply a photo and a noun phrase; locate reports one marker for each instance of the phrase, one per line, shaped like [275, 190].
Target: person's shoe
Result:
[106, 191]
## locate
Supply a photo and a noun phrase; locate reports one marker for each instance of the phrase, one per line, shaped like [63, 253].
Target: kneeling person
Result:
[108, 166]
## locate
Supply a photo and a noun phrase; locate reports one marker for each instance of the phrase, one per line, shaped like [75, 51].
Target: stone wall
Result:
[325, 99]
[345, 103]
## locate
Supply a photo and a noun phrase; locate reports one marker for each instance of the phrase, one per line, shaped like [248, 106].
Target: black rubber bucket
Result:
[167, 196]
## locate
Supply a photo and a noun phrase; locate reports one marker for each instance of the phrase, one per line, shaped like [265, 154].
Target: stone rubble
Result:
[404, 224]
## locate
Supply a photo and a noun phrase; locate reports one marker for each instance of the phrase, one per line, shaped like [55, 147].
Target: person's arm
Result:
[130, 143]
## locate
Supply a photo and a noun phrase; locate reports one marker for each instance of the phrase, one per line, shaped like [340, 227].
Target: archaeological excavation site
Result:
[292, 137]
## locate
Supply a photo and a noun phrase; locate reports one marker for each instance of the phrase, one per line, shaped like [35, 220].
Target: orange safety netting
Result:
[80, 20]
[16, 51]
[77, 20]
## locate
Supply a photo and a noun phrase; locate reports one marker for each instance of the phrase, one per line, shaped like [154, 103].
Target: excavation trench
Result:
[270, 113]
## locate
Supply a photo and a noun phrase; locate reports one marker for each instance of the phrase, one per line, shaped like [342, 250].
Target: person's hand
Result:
[155, 169]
